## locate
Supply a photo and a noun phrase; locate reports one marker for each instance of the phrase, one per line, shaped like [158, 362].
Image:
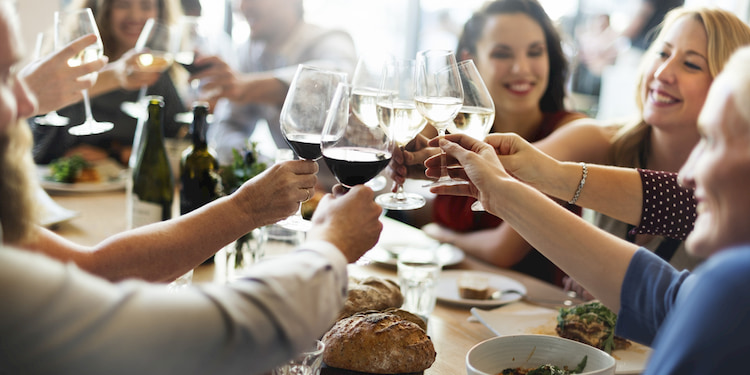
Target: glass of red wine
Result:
[303, 115]
[354, 151]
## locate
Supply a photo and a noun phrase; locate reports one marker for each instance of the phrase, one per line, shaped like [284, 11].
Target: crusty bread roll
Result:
[372, 293]
[378, 343]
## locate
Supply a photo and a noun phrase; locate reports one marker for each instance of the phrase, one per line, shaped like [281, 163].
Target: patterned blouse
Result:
[669, 209]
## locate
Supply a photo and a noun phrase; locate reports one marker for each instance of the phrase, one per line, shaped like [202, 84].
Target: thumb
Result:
[453, 149]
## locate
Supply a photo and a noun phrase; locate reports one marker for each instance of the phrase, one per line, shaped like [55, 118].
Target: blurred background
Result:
[600, 86]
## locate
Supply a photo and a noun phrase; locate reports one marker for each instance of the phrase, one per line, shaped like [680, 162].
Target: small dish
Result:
[447, 289]
[449, 255]
[114, 177]
[51, 213]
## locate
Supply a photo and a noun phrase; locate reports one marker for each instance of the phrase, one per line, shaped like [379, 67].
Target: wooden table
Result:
[453, 334]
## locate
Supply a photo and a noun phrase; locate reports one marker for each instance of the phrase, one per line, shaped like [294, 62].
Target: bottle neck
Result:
[198, 130]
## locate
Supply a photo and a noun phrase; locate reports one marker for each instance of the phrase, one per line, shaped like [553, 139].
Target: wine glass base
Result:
[52, 119]
[378, 183]
[91, 127]
[135, 110]
[447, 182]
[296, 223]
[477, 207]
[402, 202]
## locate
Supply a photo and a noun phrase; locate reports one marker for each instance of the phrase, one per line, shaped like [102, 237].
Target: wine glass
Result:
[51, 118]
[477, 115]
[439, 97]
[69, 26]
[194, 42]
[353, 150]
[156, 46]
[397, 112]
[302, 118]
[366, 81]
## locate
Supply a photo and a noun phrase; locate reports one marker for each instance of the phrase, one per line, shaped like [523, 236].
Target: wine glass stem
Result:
[443, 158]
[87, 107]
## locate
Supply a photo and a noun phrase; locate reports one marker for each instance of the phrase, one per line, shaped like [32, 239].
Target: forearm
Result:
[262, 88]
[613, 191]
[106, 82]
[593, 257]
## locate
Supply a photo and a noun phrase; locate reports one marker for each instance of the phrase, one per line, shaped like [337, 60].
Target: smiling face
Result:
[511, 56]
[677, 79]
[126, 21]
[719, 168]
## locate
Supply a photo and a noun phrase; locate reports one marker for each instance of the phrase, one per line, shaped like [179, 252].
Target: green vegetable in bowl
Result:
[547, 369]
[67, 169]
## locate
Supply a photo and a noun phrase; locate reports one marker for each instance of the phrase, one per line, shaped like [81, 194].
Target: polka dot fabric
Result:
[668, 208]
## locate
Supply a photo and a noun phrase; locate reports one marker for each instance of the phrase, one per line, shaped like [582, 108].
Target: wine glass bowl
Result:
[397, 113]
[354, 151]
[69, 26]
[439, 96]
[477, 114]
[303, 116]
[42, 47]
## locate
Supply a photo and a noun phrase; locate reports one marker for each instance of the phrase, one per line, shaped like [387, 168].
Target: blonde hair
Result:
[726, 33]
[18, 213]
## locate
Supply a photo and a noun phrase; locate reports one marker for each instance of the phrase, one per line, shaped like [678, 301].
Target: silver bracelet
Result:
[580, 185]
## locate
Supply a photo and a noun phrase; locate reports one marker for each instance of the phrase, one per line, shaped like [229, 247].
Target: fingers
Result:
[77, 46]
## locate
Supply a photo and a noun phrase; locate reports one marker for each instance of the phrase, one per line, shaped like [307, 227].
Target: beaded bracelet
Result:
[580, 185]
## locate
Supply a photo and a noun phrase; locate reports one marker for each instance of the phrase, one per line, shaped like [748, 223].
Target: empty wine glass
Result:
[194, 42]
[156, 46]
[302, 118]
[397, 112]
[51, 118]
[439, 97]
[477, 115]
[368, 75]
[69, 26]
[354, 151]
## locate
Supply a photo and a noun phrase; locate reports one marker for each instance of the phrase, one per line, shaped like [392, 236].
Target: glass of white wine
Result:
[52, 118]
[69, 26]
[397, 112]
[156, 46]
[439, 96]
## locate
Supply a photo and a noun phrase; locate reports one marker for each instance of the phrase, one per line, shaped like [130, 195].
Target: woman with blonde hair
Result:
[675, 74]
[120, 23]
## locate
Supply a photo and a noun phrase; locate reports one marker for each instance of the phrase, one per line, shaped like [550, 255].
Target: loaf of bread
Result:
[378, 343]
[372, 293]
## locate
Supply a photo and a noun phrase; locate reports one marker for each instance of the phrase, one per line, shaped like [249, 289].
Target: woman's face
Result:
[127, 19]
[719, 170]
[676, 82]
[512, 59]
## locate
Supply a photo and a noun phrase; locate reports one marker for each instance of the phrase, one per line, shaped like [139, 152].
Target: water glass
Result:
[418, 273]
[306, 363]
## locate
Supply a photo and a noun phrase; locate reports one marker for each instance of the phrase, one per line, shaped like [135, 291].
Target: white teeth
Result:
[520, 87]
[661, 98]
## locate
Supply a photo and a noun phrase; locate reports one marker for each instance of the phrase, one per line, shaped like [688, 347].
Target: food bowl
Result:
[492, 356]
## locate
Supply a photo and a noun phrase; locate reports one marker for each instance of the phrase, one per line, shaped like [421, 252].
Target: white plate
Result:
[51, 212]
[524, 318]
[113, 178]
[447, 289]
[449, 255]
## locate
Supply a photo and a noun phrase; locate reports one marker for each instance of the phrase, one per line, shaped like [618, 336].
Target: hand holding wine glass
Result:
[397, 113]
[354, 151]
[51, 118]
[302, 118]
[70, 26]
[439, 96]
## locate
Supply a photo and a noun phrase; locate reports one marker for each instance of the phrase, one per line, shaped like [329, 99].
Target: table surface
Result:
[453, 333]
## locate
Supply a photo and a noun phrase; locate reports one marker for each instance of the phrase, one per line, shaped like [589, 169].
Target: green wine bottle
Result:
[199, 169]
[153, 182]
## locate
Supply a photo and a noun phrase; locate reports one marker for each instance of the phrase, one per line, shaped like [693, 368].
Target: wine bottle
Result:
[153, 182]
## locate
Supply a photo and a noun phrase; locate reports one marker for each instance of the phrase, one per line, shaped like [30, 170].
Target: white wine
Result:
[153, 182]
[88, 55]
[438, 110]
[401, 119]
[473, 121]
[154, 62]
[363, 106]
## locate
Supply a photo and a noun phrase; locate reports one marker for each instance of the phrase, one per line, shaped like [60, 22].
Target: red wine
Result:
[305, 146]
[355, 165]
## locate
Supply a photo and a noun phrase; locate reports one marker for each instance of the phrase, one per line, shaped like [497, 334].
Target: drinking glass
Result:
[477, 115]
[302, 118]
[354, 151]
[368, 75]
[439, 97]
[69, 26]
[51, 118]
[156, 46]
[397, 112]
[308, 362]
[194, 42]
[418, 273]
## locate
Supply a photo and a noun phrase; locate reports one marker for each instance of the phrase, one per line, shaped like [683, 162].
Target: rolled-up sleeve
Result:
[668, 208]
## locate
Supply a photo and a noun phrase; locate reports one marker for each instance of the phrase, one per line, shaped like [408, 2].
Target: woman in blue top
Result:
[696, 322]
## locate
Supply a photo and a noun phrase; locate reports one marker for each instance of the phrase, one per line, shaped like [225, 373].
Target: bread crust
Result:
[372, 293]
[378, 343]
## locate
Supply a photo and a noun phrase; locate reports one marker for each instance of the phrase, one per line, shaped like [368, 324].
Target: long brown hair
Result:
[726, 33]
[18, 213]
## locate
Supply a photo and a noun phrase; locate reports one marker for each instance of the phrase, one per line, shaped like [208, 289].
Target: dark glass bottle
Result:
[199, 168]
[153, 182]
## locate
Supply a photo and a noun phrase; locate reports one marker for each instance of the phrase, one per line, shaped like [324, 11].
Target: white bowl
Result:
[492, 356]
